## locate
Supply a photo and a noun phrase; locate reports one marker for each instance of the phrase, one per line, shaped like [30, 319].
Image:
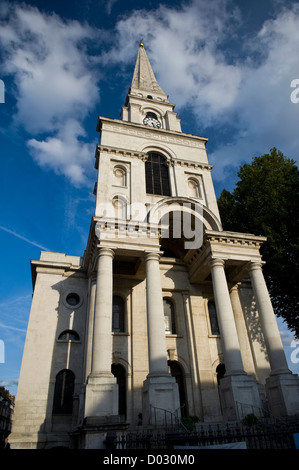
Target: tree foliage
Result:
[265, 202]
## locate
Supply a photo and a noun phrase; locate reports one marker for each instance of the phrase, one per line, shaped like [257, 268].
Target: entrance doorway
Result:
[220, 371]
[119, 373]
[177, 372]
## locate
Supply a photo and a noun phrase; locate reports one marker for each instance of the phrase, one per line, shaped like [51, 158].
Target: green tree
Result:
[265, 202]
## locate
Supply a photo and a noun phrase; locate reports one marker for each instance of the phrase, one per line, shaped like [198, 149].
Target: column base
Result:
[283, 394]
[239, 397]
[101, 396]
[160, 400]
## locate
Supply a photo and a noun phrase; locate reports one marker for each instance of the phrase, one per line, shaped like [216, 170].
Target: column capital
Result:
[235, 287]
[216, 262]
[105, 251]
[255, 266]
[152, 255]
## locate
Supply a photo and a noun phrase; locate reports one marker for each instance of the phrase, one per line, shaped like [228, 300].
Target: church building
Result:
[164, 315]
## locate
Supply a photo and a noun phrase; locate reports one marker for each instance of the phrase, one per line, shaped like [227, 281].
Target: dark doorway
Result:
[119, 373]
[63, 393]
[177, 372]
[220, 371]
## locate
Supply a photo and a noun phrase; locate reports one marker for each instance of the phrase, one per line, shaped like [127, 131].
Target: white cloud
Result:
[55, 84]
[183, 45]
[267, 117]
[9, 383]
[200, 58]
[203, 60]
[65, 153]
[109, 4]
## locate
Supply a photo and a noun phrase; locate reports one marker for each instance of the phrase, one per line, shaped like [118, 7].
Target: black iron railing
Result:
[270, 434]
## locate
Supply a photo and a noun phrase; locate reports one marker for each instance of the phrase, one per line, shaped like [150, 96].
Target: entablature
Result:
[181, 138]
[237, 250]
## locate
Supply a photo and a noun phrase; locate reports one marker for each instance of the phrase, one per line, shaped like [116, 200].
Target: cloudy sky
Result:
[231, 67]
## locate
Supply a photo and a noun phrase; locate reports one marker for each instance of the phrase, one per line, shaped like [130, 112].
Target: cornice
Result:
[132, 128]
[117, 151]
[234, 238]
[55, 267]
[143, 156]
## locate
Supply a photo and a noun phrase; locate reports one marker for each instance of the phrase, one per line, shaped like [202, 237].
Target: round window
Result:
[73, 299]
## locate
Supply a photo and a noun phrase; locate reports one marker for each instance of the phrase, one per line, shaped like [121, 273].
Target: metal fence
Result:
[270, 435]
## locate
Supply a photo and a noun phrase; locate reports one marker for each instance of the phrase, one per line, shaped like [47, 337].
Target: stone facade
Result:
[165, 315]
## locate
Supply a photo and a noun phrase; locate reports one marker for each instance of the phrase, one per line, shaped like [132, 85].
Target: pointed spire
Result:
[144, 78]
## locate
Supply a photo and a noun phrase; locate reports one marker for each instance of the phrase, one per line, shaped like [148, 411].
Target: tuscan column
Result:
[225, 315]
[102, 338]
[101, 391]
[155, 317]
[88, 358]
[241, 327]
[160, 394]
[272, 337]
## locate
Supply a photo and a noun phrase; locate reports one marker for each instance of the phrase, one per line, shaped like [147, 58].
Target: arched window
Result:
[213, 318]
[120, 373]
[120, 208]
[63, 392]
[193, 188]
[69, 335]
[157, 175]
[118, 314]
[120, 176]
[169, 316]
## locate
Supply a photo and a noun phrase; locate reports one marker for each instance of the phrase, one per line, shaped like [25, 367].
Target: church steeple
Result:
[144, 79]
[146, 102]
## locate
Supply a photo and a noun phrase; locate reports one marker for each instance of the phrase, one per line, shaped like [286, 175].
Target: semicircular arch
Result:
[164, 150]
[187, 205]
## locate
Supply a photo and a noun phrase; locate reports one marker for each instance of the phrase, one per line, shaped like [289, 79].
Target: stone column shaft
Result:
[270, 329]
[241, 327]
[155, 317]
[102, 338]
[88, 358]
[226, 321]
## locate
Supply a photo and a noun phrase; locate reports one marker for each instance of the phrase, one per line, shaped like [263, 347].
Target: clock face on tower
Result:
[151, 120]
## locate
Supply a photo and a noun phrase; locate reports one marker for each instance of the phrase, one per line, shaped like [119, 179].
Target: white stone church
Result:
[165, 315]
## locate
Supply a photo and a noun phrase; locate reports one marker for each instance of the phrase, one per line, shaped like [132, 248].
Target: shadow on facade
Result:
[69, 364]
[66, 371]
[251, 316]
[69, 369]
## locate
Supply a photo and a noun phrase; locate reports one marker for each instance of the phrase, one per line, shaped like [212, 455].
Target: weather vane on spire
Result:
[141, 43]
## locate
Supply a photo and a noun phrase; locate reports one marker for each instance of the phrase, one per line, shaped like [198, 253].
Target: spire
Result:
[144, 78]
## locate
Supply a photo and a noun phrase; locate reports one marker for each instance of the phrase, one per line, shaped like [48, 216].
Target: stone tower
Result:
[165, 315]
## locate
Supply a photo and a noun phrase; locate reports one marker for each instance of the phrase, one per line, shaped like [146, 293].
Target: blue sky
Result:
[228, 66]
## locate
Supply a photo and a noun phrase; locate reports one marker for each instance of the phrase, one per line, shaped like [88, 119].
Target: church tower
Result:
[165, 315]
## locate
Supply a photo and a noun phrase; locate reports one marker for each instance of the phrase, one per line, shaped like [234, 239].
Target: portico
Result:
[229, 257]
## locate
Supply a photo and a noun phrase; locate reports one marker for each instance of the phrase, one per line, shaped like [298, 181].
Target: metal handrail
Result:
[253, 408]
[167, 413]
[263, 413]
